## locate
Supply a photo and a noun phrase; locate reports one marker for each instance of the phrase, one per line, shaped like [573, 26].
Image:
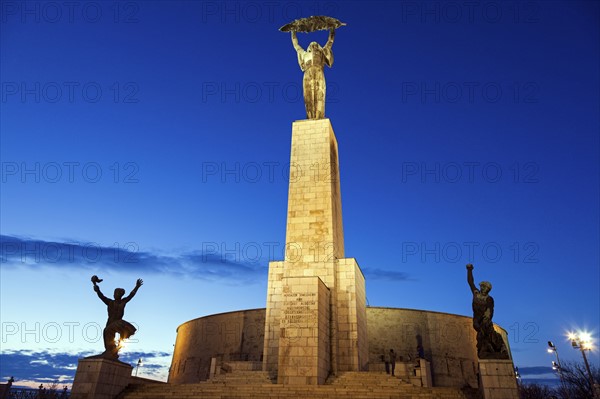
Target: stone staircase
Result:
[258, 384]
[375, 379]
[242, 378]
[382, 385]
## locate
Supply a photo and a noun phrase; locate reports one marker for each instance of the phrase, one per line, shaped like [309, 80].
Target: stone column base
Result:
[100, 379]
[425, 370]
[497, 379]
[304, 347]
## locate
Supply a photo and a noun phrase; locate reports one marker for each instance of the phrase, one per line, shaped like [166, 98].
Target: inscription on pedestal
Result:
[299, 309]
[304, 332]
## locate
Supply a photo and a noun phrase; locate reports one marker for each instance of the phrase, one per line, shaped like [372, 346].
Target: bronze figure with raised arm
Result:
[115, 323]
[490, 344]
[312, 62]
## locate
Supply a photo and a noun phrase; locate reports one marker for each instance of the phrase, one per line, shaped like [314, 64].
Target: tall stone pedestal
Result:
[315, 253]
[497, 379]
[100, 379]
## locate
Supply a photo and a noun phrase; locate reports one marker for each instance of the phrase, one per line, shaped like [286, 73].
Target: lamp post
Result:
[139, 363]
[583, 342]
[556, 365]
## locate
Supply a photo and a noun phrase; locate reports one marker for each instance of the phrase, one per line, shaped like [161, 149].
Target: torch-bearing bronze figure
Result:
[490, 344]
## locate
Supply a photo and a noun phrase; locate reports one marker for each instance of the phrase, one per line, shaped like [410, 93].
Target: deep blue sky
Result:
[467, 133]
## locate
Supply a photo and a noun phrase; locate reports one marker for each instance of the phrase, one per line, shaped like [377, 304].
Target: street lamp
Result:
[583, 342]
[552, 349]
[556, 366]
[139, 363]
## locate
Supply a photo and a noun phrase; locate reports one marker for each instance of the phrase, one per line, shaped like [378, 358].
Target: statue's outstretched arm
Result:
[101, 295]
[470, 279]
[138, 284]
[295, 42]
[329, 43]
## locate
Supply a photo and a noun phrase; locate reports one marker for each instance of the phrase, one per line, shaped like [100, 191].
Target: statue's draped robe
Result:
[312, 63]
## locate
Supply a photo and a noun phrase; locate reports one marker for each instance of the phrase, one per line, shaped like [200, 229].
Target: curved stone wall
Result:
[227, 336]
[448, 341]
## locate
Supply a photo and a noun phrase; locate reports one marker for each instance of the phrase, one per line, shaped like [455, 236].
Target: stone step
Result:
[289, 394]
[257, 384]
[357, 379]
[242, 378]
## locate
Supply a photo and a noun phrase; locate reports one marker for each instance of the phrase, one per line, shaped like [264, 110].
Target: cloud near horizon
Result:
[207, 264]
[536, 370]
[32, 368]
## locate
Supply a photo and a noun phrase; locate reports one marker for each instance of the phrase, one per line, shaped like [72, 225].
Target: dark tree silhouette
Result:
[576, 384]
[576, 381]
[535, 391]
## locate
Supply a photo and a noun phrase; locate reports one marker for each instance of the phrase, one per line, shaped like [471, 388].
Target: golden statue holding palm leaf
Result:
[312, 61]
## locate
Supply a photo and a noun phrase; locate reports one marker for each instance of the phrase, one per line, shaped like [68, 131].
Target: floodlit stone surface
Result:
[256, 384]
[100, 379]
[314, 233]
[353, 346]
[316, 323]
[315, 248]
[304, 341]
[497, 379]
[448, 341]
[235, 336]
